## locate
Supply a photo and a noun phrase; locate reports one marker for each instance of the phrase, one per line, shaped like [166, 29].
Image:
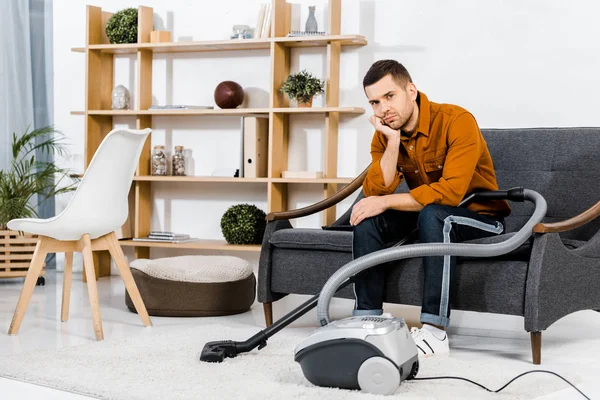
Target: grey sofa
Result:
[554, 274]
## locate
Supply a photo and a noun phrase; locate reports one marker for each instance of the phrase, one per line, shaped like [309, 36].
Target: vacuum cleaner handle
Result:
[514, 194]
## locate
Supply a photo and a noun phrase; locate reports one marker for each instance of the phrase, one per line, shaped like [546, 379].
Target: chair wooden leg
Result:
[536, 347]
[88, 264]
[39, 255]
[66, 292]
[117, 254]
[268, 308]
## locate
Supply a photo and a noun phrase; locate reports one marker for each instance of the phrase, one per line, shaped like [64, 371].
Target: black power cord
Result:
[511, 381]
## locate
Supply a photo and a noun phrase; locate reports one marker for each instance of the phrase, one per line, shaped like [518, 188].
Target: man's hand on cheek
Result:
[366, 208]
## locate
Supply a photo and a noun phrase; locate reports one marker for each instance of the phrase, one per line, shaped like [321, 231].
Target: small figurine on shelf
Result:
[120, 98]
[178, 162]
[159, 161]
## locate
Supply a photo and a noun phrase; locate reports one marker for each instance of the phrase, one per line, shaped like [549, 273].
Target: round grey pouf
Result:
[194, 286]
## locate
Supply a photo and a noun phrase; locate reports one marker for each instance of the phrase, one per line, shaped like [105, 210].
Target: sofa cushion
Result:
[520, 253]
[485, 285]
[312, 239]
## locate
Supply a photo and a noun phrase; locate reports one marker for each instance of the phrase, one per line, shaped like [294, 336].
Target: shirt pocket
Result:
[434, 168]
[411, 174]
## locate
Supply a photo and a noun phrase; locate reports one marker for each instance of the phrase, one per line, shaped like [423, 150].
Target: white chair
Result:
[88, 223]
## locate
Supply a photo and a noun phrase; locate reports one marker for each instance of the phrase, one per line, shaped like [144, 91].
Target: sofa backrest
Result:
[562, 164]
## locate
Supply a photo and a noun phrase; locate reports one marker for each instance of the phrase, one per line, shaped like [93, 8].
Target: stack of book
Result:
[167, 237]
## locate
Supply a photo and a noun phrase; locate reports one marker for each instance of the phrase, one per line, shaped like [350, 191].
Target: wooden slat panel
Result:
[14, 241]
[16, 257]
[277, 197]
[280, 70]
[94, 25]
[105, 17]
[106, 81]
[335, 17]
[278, 144]
[145, 24]
[97, 127]
[279, 17]
[14, 265]
[16, 249]
[143, 207]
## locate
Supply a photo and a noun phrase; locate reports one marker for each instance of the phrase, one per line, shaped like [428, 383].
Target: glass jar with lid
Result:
[159, 161]
[178, 161]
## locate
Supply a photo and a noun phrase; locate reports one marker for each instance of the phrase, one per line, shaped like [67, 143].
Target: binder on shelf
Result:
[260, 21]
[256, 137]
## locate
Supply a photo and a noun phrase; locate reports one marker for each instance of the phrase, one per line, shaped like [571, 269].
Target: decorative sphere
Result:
[229, 94]
[243, 224]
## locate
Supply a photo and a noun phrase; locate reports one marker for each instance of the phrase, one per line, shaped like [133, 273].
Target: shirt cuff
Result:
[425, 195]
[377, 183]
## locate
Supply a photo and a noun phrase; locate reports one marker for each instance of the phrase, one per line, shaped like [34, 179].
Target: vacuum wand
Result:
[217, 351]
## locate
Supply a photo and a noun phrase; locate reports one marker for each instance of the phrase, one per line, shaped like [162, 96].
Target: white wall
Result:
[513, 63]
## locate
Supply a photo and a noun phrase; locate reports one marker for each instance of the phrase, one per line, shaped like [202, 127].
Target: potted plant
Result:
[25, 179]
[302, 86]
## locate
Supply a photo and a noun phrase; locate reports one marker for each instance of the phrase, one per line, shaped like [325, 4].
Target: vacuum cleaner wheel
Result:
[378, 375]
[413, 371]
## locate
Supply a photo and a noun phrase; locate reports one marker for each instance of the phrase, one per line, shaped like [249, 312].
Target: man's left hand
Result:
[366, 208]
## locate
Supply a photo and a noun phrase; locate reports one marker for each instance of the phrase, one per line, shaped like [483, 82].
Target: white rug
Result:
[161, 364]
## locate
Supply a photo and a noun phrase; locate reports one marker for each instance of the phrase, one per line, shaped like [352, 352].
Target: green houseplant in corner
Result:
[302, 87]
[22, 182]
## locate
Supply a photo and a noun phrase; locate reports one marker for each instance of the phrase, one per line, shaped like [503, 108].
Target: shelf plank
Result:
[200, 179]
[308, 180]
[319, 110]
[225, 112]
[204, 244]
[227, 45]
[224, 179]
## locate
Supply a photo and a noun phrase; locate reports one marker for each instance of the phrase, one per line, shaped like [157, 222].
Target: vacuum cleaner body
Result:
[370, 353]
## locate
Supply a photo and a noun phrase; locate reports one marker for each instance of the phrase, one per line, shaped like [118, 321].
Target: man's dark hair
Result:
[381, 68]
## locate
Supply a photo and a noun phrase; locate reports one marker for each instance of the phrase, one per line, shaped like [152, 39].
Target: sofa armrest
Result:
[263, 289]
[560, 281]
[571, 223]
[321, 205]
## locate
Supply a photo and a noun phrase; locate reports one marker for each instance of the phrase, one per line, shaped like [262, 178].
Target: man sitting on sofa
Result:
[440, 152]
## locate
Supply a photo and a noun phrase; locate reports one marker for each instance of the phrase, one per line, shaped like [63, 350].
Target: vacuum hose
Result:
[430, 249]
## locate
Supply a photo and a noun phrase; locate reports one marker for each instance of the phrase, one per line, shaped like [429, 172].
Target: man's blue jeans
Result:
[436, 224]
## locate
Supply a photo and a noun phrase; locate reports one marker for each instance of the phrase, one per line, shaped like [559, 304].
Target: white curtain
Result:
[16, 91]
[26, 79]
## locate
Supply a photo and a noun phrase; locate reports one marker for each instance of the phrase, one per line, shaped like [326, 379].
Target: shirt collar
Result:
[424, 114]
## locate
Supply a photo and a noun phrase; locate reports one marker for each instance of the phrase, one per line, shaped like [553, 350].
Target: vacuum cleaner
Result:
[374, 354]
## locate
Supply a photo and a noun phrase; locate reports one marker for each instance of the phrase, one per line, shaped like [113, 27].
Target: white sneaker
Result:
[428, 344]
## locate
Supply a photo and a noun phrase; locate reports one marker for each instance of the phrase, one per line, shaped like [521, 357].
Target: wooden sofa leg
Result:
[536, 347]
[268, 307]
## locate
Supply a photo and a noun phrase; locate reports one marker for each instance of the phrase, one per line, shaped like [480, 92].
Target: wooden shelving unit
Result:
[99, 54]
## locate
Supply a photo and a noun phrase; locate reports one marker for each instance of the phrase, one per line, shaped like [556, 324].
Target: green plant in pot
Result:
[243, 224]
[28, 177]
[302, 87]
[122, 27]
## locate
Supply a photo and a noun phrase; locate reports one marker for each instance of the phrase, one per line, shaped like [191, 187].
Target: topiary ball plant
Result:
[243, 224]
[122, 27]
